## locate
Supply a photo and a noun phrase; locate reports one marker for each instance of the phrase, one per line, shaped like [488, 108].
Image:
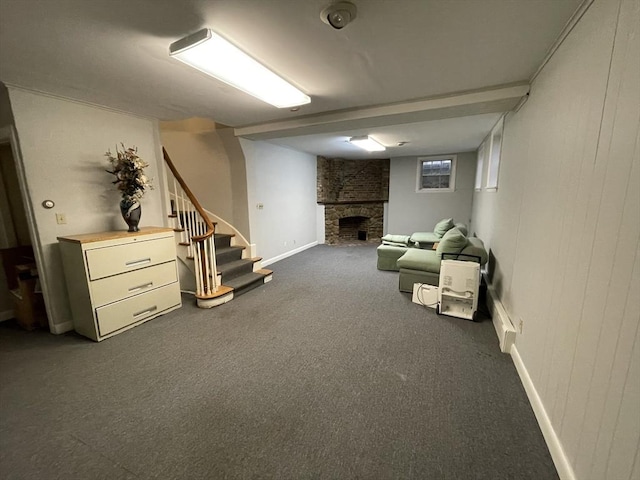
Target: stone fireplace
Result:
[353, 193]
[345, 222]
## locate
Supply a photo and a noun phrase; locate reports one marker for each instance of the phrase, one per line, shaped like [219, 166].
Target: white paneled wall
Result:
[564, 233]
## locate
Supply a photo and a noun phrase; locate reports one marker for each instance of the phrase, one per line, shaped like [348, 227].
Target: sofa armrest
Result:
[475, 247]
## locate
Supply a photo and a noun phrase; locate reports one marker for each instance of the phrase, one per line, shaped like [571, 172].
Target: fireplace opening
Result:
[353, 228]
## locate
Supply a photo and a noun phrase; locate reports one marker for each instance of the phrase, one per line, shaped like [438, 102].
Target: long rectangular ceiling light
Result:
[367, 143]
[210, 53]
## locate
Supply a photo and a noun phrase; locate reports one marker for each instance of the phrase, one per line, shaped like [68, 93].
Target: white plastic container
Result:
[458, 290]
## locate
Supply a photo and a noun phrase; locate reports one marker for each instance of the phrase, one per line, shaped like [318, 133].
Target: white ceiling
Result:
[115, 53]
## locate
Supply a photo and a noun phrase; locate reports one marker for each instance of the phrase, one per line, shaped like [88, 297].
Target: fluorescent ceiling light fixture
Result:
[210, 53]
[367, 143]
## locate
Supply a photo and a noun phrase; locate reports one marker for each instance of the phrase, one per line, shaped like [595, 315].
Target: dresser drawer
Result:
[135, 309]
[118, 287]
[103, 262]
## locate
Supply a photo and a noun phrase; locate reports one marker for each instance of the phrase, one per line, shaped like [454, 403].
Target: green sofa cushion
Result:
[389, 239]
[443, 226]
[393, 251]
[452, 242]
[417, 259]
[463, 228]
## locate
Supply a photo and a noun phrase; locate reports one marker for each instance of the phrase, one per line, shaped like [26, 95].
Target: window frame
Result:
[480, 162]
[452, 175]
[495, 153]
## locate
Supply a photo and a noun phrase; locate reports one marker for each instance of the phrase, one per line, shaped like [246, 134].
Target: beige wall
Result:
[62, 146]
[564, 231]
[239, 193]
[201, 159]
[283, 182]
[411, 211]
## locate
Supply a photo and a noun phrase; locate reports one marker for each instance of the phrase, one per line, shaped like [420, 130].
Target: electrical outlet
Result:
[520, 326]
[61, 218]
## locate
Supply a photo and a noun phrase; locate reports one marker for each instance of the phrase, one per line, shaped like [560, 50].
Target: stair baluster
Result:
[240, 269]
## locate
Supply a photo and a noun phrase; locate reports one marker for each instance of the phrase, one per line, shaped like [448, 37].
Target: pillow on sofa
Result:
[452, 242]
[463, 228]
[389, 239]
[443, 226]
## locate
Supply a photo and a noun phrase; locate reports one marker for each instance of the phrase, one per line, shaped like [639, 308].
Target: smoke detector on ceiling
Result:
[339, 15]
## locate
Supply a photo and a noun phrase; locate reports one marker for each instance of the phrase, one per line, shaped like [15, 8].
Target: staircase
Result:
[222, 261]
[237, 272]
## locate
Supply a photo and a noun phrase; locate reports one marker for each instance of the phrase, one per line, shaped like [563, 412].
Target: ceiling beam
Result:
[495, 100]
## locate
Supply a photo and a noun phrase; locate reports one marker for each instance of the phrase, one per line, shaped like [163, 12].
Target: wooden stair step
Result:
[228, 254]
[222, 290]
[235, 269]
[222, 240]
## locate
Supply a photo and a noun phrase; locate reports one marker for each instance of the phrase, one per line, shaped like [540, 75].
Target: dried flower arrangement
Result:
[128, 169]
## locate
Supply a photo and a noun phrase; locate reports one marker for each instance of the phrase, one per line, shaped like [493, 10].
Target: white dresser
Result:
[117, 280]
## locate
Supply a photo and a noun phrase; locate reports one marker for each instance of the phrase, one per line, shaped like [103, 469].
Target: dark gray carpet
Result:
[327, 372]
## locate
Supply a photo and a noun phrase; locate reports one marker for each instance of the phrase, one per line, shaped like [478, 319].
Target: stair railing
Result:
[197, 233]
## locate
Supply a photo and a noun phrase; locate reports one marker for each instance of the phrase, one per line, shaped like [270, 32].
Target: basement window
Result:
[495, 149]
[436, 174]
[482, 150]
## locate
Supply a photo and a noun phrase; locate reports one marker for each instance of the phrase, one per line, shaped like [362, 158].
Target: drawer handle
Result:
[144, 312]
[142, 261]
[141, 287]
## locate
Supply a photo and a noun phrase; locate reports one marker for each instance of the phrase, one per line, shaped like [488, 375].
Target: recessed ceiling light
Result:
[210, 53]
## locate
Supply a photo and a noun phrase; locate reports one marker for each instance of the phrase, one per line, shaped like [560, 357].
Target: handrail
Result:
[199, 233]
[203, 214]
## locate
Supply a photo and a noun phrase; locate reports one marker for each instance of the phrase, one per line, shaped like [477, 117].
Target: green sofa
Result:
[417, 257]
[423, 266]
[394, 246]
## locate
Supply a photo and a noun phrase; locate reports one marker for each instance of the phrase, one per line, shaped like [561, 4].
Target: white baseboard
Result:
[288, 254]
[63, 327]
[565, 471]
[501, 321]
[6, 315]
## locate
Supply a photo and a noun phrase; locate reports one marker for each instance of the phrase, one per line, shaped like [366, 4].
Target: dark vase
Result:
[131, 213]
